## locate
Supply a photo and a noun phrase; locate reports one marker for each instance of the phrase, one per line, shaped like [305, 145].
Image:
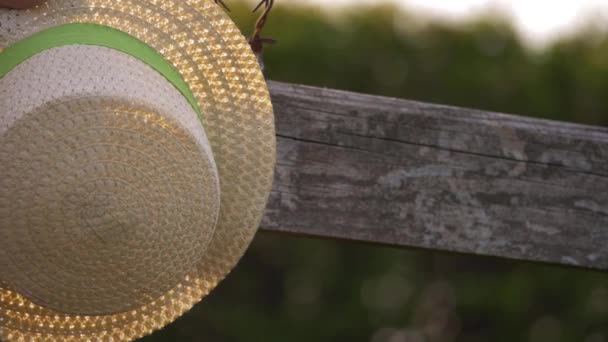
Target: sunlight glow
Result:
[538, 21]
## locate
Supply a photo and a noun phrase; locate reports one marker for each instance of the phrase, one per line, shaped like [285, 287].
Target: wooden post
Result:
[405, 173]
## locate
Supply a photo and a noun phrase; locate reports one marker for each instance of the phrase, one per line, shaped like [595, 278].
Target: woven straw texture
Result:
[109, 185]
[214, 59]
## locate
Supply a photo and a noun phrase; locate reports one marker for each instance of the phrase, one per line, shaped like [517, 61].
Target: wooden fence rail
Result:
[405, 173]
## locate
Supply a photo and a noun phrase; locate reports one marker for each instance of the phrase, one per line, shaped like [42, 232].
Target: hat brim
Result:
[214, 59]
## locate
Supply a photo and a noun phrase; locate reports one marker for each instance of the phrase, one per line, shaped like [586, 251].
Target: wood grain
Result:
[404, 173]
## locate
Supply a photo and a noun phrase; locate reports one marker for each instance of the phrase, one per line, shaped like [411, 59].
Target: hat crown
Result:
[110, 189]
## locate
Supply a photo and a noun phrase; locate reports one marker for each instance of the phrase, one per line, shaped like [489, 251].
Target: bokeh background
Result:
[302, 290]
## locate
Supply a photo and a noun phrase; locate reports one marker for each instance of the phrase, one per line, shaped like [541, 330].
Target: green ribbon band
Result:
[93, 34]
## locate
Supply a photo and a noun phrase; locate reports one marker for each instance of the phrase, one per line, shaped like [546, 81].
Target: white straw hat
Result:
[136, 156]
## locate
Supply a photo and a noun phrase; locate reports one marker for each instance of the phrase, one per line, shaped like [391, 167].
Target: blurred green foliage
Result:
[302, 290]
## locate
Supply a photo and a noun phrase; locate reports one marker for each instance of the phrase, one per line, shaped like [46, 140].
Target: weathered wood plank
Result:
[405, 173]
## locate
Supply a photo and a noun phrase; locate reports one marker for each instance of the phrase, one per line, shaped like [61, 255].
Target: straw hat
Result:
[136, 156]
